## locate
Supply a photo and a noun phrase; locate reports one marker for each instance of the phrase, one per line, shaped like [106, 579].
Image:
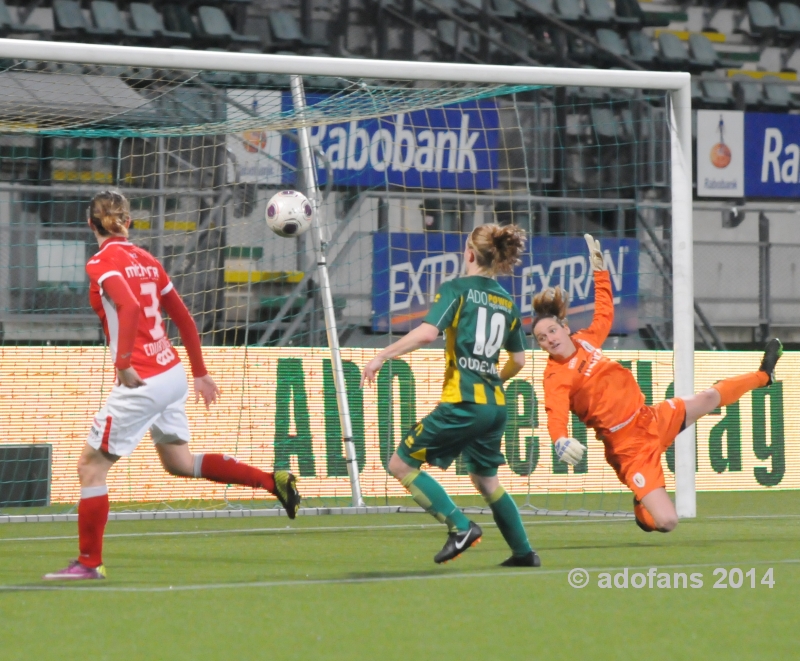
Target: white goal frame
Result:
[676, 84]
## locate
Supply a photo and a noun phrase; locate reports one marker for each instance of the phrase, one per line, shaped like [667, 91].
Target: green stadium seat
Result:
[598, 12]
[789, 14]
[506, 9]
[776, 94]
[642, 51]
[286, 32]
[178, 19]
[703, 52]
[9, 26]
[673, 52]
[70, 21]
[610, 40]
[107, 16]
[146, 18]
[749, 93]
[569, 11]
[214, 24]
[605, 124]
[763, 22]
[717, 94]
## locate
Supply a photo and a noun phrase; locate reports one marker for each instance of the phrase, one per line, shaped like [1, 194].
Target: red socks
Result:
[227, 470]
[92, 518]
[731, 390]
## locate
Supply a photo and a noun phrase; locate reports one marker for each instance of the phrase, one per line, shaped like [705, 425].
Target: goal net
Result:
[401, 160]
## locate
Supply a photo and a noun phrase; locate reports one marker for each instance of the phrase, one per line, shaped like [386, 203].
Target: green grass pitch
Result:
[366, 588]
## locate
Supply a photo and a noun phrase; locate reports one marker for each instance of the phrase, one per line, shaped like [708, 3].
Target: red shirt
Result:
[601, 392]
[147, 282]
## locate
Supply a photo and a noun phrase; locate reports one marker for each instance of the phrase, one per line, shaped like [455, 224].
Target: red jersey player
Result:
[128, 288]
[605, 396]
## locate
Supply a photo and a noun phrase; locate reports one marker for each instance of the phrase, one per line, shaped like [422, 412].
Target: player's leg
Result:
[483, 456]
[728, 391]
[657, 511]
[93, 467]
[437, 440]
[178, 460]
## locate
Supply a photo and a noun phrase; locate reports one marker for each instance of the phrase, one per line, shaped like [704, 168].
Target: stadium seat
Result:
[749, 93]
[610, 40]
[71, 23]
[569, 11]
[673, 52]
[703, 52]
[214, 24]
[286, 32]
[776, 94]
[107, 16]
[642, 51]
[598, 12]
[543, 6]
[506, 9]
[717, 94]
[630, 12]
[178, 19]
[605, 124]
[790, 20]
[763, 22]
[146, 18]
[9, 26]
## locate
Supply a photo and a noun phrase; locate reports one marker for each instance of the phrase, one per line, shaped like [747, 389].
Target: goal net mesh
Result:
[405, 170]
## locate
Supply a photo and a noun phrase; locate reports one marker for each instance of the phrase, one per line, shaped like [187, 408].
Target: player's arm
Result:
[203, 383]
[117, 290]
[421, 336]
[603, 296]
[512, 367]
[556, 405]
[515, 344]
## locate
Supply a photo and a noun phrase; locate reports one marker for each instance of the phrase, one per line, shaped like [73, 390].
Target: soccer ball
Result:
[289, 213]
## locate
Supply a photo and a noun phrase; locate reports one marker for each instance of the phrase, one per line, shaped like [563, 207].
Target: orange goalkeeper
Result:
[605, 396]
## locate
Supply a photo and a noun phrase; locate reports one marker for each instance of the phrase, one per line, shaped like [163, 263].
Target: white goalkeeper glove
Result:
[569, 450]
[595, 254]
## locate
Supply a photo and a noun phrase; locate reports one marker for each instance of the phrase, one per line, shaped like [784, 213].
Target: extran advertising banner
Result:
[439, 148]
[409, 268]
[747, 154]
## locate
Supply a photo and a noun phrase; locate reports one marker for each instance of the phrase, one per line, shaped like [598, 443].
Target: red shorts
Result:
[634, 452]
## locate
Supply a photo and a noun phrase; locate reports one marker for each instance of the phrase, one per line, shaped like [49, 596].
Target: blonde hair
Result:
[551, 303]
[497, 247]
[109, 211]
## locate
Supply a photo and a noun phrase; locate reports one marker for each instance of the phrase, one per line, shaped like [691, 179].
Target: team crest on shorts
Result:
[638, 480]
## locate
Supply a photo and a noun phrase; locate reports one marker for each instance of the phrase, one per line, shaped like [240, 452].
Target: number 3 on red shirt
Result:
[152, 310]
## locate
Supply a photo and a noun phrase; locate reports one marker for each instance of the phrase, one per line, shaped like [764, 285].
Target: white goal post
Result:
[676, 84]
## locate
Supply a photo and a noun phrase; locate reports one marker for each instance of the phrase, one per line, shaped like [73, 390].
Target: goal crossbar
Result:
[676, 84]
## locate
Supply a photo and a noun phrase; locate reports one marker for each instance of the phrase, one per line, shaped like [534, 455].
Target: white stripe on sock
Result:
[93, 492]
[198, 465]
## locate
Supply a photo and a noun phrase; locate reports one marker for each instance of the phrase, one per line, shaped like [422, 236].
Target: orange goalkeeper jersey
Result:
[600, 391]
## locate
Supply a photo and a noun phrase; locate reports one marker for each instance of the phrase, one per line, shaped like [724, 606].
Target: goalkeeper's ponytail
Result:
[551, 303]
[497, 247]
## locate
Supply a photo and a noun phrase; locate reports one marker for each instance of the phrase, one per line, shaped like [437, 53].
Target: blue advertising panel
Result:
[409, 268]
[454, 147]
[772, 155]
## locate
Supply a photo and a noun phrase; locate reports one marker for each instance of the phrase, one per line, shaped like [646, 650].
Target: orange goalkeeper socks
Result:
[227, 470]
[731, 390]
[92, 518]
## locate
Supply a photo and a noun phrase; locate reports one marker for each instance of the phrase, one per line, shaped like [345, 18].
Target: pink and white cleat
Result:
[76, 572]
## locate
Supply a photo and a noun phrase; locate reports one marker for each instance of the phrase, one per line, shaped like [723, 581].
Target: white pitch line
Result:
[404, 526]
[374, 579]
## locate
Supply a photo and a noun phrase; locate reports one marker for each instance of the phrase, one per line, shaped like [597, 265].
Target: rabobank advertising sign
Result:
[748, 154]
[409, 268]
[454, 147]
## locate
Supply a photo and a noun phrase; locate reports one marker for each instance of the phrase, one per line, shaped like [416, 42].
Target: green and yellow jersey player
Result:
[479, 318]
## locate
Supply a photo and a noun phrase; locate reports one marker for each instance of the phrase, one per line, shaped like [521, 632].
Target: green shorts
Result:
[452, 429]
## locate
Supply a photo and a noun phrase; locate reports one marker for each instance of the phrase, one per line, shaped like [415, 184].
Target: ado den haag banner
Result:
[409, 268]
[454, 147]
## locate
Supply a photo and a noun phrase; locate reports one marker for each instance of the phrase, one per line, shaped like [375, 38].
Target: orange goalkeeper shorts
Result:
[634, 452]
